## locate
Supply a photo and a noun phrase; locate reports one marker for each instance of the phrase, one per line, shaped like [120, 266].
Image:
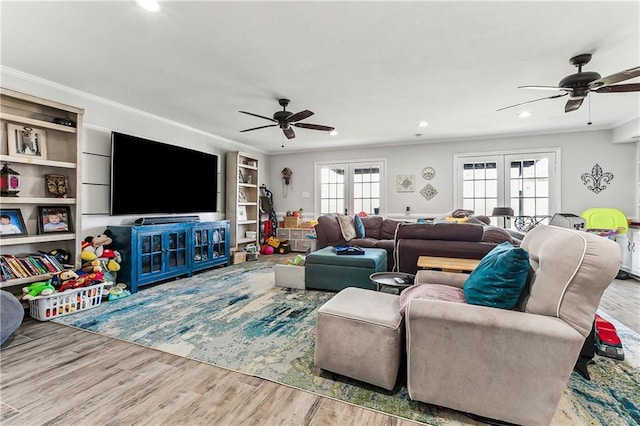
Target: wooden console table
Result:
[447, 264]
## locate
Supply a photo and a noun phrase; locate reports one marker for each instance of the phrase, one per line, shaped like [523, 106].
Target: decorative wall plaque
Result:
[428, 173]
[404, 183]
[428, 191]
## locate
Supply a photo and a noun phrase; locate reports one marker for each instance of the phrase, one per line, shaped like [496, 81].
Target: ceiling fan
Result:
[578, 85]
[285, 119]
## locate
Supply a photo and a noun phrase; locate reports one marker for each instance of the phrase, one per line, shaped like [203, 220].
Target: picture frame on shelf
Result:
[12, 223]
[242, 212]
[26, 141]
[242, 197]
[54, 219]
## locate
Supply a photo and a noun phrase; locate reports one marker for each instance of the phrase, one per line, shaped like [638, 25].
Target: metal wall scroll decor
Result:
[600, 180]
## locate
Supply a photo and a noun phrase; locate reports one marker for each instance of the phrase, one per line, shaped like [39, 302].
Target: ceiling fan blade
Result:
[617, 77]
[535, 100]
[313, 126]
[288, 132]
[259, 116]
[633, 87]
[573, 104]
[256, 128]
[542, 87]
[299, 116]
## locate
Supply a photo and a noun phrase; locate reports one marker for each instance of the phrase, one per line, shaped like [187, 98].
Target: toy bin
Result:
[45, 308]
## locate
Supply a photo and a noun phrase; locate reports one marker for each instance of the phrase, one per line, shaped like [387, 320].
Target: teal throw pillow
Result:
[357, 221]
[499, 278]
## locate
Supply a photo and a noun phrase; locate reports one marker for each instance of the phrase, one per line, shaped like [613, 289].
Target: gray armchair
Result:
[511, 365]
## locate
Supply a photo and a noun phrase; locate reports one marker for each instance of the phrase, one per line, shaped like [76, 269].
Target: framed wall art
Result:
[54, 219]
[242, 196]
[242, 213]
[12, 223]
[26, 141]
[404, 183]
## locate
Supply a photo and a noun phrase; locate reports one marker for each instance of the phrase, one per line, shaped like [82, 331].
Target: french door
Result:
[350, 187]
[528, 182]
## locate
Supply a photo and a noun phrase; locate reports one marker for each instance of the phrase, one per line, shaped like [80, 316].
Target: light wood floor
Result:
[52, 374]
[621, 300]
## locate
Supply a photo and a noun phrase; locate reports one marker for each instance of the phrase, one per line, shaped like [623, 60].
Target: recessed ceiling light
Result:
[150, 5]
[333, 133]
[423, 124]
[524, 114]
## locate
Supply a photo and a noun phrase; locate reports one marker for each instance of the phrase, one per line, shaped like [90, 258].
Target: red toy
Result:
[607, 341]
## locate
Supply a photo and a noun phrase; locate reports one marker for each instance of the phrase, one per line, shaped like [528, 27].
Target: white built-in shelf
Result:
[64, 149]
[38, 200]
[44, 238]
[248, 167]
[245, 240]
[238, 173]
[27, 280]
[37, 123]
[37, 161]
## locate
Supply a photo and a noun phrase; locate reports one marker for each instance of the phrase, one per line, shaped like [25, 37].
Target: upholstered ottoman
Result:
[360, 334]
[325, 270]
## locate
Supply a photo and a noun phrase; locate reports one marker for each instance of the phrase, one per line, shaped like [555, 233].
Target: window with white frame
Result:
[350, 187]
[526, 181]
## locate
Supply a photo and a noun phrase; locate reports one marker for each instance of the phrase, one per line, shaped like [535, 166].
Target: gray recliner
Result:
[511, 365]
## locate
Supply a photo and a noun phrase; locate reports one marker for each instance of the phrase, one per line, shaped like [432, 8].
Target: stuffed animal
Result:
[67, 280]
[102, 246]
[92, 266]
[89, 279]
[41, 288]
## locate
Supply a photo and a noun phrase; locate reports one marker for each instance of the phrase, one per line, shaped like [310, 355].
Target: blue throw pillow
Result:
[499, 278]
[357, 221]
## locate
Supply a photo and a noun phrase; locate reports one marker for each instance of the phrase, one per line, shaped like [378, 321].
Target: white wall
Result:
[101, 117]
[579, 153]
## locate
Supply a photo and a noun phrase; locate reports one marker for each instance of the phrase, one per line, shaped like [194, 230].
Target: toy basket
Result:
[45, 308]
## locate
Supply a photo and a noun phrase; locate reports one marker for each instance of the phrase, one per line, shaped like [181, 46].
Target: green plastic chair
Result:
[605, 218]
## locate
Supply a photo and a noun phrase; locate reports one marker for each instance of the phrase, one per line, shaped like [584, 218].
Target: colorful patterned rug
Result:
[236, 318]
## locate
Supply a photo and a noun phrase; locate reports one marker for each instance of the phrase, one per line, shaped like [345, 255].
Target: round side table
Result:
[397, 280]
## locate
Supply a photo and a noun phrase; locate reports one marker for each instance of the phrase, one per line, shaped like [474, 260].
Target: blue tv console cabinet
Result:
[152, 253]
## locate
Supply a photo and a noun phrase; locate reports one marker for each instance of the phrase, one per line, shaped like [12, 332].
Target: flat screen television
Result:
[150, 177]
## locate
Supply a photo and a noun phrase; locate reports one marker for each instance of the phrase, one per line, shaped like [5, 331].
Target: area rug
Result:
[236, 318]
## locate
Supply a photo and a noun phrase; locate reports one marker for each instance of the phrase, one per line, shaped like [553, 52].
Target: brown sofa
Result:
[406, 241]
[379, 233]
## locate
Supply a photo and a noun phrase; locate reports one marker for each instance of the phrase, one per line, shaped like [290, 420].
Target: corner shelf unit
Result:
[242, 197]
[63, 156]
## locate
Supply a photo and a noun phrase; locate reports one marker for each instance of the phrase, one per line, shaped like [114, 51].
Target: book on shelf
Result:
[27, 266]
[14, 267]
[13, 261]
[36, 262]
[47, 263]
[5, 272]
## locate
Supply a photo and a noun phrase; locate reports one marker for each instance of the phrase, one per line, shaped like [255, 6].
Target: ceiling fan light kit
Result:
[578, 85]
[285, 119]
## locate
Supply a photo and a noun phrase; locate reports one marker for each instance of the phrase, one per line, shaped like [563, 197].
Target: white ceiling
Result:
[373, 70]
